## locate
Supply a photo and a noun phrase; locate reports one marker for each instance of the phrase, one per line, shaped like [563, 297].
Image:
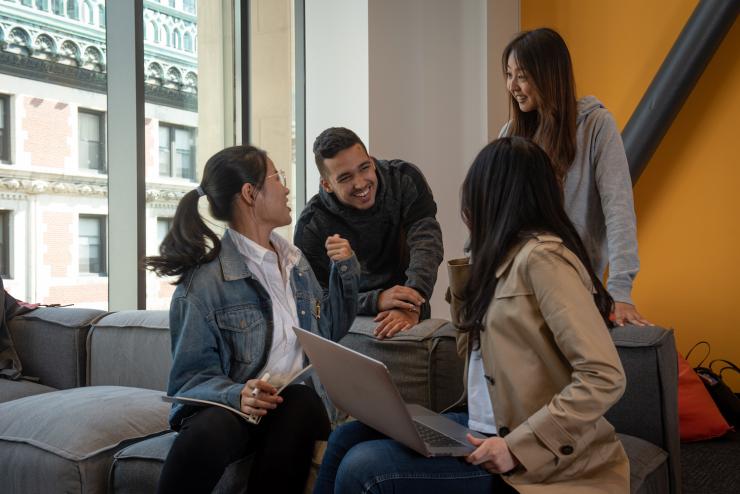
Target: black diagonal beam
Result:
[681, 69]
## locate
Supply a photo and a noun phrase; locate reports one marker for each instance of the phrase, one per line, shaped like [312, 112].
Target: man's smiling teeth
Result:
[362, 193]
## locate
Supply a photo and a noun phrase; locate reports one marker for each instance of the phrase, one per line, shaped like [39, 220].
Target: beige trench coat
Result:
[552, 371]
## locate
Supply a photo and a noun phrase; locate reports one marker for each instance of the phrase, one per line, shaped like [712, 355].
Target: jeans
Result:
[359, 459]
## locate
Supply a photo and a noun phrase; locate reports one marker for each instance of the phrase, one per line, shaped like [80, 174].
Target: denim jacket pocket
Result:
[243, 329]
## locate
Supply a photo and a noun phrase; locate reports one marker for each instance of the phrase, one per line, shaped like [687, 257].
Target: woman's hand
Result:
[337, 248]
[492, 454]
[627, 313]
[265, 398]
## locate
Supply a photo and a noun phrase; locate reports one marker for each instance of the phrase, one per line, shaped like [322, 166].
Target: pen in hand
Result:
[255, 419]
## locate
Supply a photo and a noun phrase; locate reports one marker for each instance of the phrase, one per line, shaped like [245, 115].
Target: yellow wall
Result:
[688, 199]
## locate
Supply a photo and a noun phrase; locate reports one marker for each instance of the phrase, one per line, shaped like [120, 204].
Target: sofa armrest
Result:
[130, 348]
[649, 407]
[51, 344]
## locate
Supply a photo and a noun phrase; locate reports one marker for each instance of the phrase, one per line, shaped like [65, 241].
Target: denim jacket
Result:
[221, 324]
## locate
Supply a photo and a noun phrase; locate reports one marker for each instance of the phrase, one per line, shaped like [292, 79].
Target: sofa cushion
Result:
[648, 466]
[137, 467]
[130, 348]
[423, 361]
[12, 390]
[64, 441]
[51, 344]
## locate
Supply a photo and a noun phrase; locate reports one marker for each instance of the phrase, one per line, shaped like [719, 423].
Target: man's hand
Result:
[400, 297]
[393, 321]
[627, 313]
[266, 397]
[337, 248]
[492, 454]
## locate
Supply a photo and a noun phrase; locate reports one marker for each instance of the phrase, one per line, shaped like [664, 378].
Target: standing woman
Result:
[541, 369]
[586, 149]
[231, 316]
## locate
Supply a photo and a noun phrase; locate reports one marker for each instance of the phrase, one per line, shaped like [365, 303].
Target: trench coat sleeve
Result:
[564, 427]
[458, 271]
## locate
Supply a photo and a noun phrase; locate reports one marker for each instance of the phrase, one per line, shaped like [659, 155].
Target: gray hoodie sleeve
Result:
[614, 184]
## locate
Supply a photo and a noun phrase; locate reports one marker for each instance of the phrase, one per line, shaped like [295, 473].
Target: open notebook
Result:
[296, 378]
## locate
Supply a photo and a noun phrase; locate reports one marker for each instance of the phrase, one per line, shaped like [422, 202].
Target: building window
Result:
[73, 9]
[188, 41]
[42, 4]
[188, 6]
[27, 3]
[87, 13]
[101, 15]
[4, 128]
[92, 233]
[5, 244]
[57, 6]
[163, 228]
[176, 151]
[91, 140]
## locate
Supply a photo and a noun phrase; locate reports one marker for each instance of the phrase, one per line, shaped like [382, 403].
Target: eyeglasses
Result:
[281, 176]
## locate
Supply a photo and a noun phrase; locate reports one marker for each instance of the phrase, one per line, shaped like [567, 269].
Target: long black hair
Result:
[187, 243]
[510, 192]
[544, 57]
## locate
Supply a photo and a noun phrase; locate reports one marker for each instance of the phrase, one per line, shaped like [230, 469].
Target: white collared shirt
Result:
[272, 271]
[480, 409]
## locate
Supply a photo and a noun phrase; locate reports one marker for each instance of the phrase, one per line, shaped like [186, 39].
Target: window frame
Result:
[103, 165]
[171, 132]
[6, 245]
[6, 131]
[102, 245]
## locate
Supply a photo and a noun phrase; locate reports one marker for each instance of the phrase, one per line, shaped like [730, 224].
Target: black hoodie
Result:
[398, 240]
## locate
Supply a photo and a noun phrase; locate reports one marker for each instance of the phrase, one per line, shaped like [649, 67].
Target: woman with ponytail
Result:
[541, 369]
[237, 299]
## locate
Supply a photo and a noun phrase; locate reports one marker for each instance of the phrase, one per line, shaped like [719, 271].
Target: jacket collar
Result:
[232, 262]
[511, 255]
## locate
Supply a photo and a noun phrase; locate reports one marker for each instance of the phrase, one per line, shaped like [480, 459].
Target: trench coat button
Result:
[343, 269]
[300, 274]
[303, 312]
[566, 450]
[503, 431]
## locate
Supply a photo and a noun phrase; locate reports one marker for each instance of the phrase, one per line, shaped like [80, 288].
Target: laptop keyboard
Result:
[434, 438]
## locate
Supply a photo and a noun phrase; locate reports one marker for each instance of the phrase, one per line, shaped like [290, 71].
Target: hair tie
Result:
[200, 191]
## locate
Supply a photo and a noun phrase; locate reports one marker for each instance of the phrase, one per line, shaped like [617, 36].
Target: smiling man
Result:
[386, 211]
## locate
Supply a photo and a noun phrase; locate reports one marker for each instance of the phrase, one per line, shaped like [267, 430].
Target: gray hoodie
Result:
[598, 197]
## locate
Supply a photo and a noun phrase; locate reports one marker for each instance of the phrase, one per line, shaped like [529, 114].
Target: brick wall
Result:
[58, 240]
[48, 130]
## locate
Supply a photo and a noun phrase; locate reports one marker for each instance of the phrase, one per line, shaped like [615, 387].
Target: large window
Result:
[92, 244]
[4, 128]
[5, 244]
[91, 128]
[163, 228]
[176, 151]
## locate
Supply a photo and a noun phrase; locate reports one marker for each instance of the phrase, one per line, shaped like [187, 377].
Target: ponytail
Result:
[190, 242]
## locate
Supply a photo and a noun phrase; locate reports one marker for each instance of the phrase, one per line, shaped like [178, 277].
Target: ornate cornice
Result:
[26, 183]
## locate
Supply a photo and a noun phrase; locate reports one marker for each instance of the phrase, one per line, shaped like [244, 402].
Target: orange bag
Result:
[698, 416]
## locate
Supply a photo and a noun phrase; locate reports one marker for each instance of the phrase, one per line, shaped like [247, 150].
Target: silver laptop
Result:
[362, 387]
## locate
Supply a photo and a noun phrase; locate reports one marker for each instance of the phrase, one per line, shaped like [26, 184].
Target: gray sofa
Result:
[95, 421]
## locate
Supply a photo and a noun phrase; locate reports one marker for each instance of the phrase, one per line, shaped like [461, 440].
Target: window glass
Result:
[5, 244]
[92, 244]
[53, 102]
[4, 129]
[91, 145]
[272, 87]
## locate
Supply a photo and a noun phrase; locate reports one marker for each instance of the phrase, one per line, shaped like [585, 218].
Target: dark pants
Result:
[283, 444]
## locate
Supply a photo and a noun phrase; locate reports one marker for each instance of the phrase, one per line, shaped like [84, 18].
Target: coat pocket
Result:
[244, 331]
